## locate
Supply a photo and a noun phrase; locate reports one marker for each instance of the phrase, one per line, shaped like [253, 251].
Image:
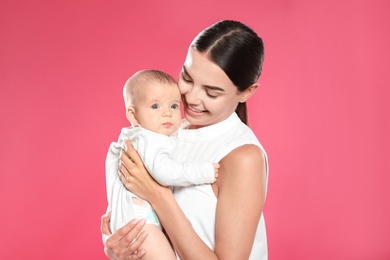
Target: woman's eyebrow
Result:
[214, 88]
[205, 86]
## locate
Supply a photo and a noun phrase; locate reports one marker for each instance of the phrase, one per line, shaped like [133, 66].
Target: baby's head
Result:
[152, 100]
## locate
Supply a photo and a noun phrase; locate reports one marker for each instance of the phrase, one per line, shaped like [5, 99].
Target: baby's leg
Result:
[156, 245]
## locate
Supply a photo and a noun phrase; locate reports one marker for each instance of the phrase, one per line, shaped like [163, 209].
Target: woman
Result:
[223, 220]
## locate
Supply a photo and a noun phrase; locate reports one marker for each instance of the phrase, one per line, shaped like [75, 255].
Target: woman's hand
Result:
[125, 242]
[135, 176]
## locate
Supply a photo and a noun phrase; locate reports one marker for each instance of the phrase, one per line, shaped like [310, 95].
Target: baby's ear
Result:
[130, 114]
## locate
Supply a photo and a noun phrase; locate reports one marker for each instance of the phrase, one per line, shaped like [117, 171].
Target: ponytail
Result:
[242, 113]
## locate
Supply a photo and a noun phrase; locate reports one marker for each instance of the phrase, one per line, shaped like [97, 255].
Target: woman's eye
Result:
[154, 106]
[211, 95]
[188, 80]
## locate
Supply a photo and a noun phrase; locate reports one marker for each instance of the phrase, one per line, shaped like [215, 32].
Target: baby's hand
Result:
[216, 167]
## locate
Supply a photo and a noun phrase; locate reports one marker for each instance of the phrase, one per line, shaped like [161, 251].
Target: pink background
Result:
[322, 113]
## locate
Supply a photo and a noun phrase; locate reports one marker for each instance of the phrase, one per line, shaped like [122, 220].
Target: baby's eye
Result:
[154, 106]
[175, 106]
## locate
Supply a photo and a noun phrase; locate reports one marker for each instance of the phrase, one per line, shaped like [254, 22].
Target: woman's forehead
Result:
[202, 70]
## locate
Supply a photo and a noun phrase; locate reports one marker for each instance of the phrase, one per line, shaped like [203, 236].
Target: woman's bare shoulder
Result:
[244, 164]
[245, 154]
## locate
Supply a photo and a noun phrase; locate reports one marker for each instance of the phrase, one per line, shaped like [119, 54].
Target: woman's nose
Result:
[193, 95]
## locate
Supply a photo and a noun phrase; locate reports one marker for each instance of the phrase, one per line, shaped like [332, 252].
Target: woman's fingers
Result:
[134, 175]
[125, 242]
[132, 241]
[130, 163]
[129, 232]
[134, 247]
[132, 153]
[125, 166]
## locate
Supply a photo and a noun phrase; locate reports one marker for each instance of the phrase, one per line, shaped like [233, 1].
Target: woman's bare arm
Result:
[241, 195]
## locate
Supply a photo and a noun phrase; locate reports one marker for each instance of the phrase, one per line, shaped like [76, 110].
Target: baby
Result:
[152, 101]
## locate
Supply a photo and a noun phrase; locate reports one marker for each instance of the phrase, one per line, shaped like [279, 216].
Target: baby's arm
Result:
[172, 173]
[155, 151]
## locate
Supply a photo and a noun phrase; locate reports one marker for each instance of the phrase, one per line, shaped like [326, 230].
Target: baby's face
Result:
[158, 108]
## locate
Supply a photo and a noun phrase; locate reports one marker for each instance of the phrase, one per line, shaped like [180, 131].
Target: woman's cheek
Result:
[183, 87]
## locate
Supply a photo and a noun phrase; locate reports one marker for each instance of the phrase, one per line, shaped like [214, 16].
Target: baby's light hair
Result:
[134, 84]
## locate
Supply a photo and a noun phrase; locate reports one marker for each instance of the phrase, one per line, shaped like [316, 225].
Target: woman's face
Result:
[208, 95]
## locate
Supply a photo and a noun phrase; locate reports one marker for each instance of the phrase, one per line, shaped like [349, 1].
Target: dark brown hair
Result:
[237, 50]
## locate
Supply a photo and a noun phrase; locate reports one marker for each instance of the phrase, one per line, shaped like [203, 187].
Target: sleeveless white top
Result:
[199, 202]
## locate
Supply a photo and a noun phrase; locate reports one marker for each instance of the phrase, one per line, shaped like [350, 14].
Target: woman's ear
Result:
[246, 94]
[130, 115]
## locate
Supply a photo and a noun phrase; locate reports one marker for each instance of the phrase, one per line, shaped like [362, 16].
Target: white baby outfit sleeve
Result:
[156, 150]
